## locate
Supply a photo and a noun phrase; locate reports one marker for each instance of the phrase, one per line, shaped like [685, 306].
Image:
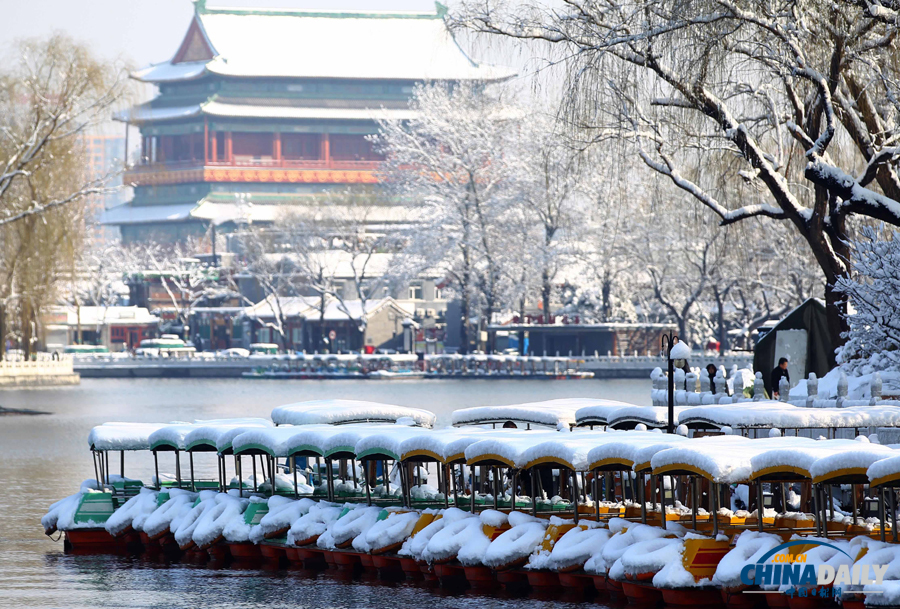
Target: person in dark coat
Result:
[778, 373]
[711, 370]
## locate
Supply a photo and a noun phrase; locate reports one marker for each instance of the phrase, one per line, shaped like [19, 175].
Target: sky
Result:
[141, 31]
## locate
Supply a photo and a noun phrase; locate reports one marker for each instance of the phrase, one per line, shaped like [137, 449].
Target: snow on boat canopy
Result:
[795, 462]
[175, 437]
[122, 436]
[653, 417]
[342, 412]
[444, 446]
[630, 450]
[767, 414]
[551, 413]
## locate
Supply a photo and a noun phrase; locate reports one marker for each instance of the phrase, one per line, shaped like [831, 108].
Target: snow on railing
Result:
[38, 367]
[693, 389]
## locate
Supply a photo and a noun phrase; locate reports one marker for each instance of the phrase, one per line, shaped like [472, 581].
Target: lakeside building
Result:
[259, 110]
[115, 327]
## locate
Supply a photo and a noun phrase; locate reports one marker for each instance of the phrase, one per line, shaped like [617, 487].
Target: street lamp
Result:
[676, 354]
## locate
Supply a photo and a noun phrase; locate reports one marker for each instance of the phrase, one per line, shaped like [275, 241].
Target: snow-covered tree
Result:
[760, 93]
[873, 341]
[450, 160]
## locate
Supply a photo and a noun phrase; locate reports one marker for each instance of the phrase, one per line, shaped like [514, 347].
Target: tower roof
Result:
[279, 43]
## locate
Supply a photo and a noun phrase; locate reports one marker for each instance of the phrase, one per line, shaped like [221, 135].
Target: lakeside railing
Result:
[43, 366]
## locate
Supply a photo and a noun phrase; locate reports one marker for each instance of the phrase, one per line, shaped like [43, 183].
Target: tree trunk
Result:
[546, 290]
[522, 332]
[464, 323]
[720, 321]
[2, 332]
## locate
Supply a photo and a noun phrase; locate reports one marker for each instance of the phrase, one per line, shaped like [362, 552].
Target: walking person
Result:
[778, 373]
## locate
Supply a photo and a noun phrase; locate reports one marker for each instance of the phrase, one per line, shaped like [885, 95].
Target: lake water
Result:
[44, 458]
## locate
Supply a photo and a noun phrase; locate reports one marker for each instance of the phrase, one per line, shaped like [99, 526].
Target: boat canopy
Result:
[794, 462]
[849, 466]
[655, 417]
[341, 412]
[551, 413]
[598, 413]
[885, 472]
[626, 449]
[387, 444]
[205, 438]
[565, 450]
[444, 446]
[123, 436]
[722, 459]
[174, 437]
[507, 449]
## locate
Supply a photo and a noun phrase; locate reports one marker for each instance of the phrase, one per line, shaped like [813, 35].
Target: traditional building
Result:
[264, 108]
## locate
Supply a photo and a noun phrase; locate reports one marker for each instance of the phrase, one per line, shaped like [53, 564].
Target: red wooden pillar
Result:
[276, 147]
[325, 149]
[228, 150]
[213, 145]
[191, 148]
[161, 149]
[205, 142]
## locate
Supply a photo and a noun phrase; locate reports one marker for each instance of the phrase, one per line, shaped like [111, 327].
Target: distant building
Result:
[114, 327]
[579, 338]
[304, 323]
[260, 109]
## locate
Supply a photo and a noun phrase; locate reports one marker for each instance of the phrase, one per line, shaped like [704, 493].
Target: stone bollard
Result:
[679, 383]
[875, 389]
[784, 389]
[704, 382]
[812, 390]
[690, 380]
[842, 389]
[738, 387]
[759, 388]
[721, 385]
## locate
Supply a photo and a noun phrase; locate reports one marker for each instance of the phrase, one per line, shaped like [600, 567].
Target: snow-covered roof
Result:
[123, 436]
[629, 449]
[388, 443]
[207, 436]
[444, 445]
[290, 306]
[719, 458]
[143, 214]
[651, 416]
[598, 412]
[768, 413]
[324, 44]
[268, 440]
[507, 448]
[112, 315]
[884, 471]
[338, 412]
[566, 449]
[148, 113]
[551, 413]
[175, 437]
[797, 459]
[850, 465]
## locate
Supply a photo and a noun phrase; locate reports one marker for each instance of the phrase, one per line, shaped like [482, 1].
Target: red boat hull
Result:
[576, 581]
[543, 579]
[642, 595]
[692, 597]
[480, 577]
[244, 551]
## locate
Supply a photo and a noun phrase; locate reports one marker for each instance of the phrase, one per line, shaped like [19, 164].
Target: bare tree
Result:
[773, 85]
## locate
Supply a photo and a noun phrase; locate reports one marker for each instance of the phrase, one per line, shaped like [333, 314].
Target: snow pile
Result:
[138, 507]
[647, 556]
[167, 516]
[238, 529]
[749, 547]
[308, 528]
[387, 533]
[573, 549]
[283, 512]
[122, 436]
[213, 521]
[444, 545]
[615, 547]
[342, 531]
[416, 546]
[514, 546]
[61, 515]
[184, 528]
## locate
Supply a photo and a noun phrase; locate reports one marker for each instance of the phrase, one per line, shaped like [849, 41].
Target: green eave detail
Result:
[163, 443]
[380, 451]
[241, 449]
[293, 450]
[340, 449]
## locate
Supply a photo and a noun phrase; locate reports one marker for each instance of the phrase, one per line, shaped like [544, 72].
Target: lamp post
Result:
[668, 341]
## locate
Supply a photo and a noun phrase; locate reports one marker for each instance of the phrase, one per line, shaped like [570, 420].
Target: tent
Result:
[803, 337]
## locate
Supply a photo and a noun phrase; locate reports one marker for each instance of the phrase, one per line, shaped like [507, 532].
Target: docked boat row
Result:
[519, 496]
[410, 366]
